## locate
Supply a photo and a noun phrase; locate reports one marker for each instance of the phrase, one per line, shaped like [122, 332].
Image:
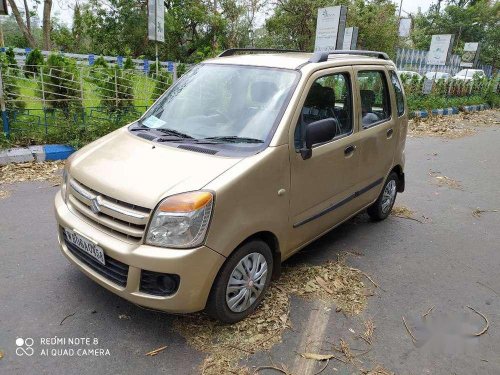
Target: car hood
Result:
[134, 170]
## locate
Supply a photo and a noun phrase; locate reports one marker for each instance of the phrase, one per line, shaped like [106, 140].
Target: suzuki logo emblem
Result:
[95, 205]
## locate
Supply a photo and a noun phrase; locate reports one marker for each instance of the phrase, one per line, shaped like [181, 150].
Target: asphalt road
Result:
[445, 262]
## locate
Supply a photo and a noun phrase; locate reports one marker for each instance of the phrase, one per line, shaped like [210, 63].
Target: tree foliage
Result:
[469, 21]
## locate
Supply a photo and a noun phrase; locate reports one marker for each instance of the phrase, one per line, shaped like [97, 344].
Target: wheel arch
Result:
[398, 169]
[272, 241]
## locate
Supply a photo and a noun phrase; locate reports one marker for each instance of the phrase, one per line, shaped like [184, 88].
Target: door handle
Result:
[349, 150]
[389, 133]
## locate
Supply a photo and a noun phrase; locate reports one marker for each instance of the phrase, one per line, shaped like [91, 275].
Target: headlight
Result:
[181, 221]
[64, 184]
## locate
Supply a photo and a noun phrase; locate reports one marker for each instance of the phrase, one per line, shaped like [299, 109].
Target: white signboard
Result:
[330, 28]
[404, 27]
[440, 49]
[470, 55]
[350, 38]
[156, 20]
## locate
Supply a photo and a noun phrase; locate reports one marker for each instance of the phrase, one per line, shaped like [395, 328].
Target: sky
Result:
[64, 9]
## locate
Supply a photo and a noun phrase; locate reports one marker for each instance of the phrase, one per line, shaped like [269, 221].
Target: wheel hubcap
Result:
[388, 196]
[246, 282]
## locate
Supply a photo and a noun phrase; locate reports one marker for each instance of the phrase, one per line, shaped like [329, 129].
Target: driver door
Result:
[323, 186]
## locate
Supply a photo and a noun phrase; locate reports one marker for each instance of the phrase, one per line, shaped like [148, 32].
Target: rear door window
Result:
[400, 100]
[375, 100]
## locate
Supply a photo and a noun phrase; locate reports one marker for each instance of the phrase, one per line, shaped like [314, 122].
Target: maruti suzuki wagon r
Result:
[245, 160]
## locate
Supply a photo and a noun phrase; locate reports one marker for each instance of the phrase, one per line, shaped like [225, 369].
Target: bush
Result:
[11, 58]
[33, 63]
[115, 88]
[60, 84]
[11, 88]
[129, 64]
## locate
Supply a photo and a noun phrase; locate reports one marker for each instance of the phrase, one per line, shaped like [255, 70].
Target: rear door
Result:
[323, 186]
[377, 129]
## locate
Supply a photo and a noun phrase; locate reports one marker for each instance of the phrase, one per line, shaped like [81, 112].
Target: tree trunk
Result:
[22, 26]
[47, 8]
[2, 42]
[27, 15]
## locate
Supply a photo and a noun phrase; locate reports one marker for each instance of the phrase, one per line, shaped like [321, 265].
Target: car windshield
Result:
[223, 104]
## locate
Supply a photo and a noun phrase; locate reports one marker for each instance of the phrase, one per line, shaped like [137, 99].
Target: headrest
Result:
[367, 97]
[262, 91]
[319, 96]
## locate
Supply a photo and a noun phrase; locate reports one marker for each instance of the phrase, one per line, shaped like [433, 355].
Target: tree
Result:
[469, 21]
[293, 24]
[25, 25]
[22, 25]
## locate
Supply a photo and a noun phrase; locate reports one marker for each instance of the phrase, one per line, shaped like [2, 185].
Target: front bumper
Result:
[197, 267]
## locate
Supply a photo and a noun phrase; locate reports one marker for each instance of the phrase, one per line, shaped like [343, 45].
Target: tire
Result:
[382, 208]
[231, 306]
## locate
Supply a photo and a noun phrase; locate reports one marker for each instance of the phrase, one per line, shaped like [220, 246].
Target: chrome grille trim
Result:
[119, 217]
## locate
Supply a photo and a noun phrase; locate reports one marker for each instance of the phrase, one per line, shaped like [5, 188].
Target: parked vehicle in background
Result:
[408, 74]
[241, 163]
[469, 74]
[437, 75]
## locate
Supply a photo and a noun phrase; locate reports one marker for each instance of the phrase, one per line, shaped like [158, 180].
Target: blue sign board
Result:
[146, 66]
[119, 61]
[91, 59]
[170, 66]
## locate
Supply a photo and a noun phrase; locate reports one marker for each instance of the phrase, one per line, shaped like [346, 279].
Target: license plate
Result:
[85, 245]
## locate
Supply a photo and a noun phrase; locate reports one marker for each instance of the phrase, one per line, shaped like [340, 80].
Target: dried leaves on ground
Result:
[476, 212]
[405, 213]
[378, 370]
[4, 194]
[333, 282]
[445, 180]
[402, 211]
[438, 126]
[32, 171]
[453, 126]
[227, 344]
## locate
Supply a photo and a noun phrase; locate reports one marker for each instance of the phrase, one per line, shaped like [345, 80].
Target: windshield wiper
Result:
[171, 132]
[233, 139]
[174, 133]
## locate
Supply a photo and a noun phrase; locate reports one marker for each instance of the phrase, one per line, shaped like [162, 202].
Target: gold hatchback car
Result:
[241, 163]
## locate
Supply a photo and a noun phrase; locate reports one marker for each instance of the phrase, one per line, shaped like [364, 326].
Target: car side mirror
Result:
[318, 132]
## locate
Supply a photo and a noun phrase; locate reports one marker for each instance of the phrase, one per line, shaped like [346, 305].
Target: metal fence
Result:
[416, 60]
[44, 99]
[144, 65]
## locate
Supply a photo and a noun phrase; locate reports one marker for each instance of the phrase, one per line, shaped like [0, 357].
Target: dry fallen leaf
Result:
[317, 357]
[156, 351]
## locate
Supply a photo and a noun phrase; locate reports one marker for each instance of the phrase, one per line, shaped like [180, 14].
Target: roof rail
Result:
[234, 51]
[323, 56]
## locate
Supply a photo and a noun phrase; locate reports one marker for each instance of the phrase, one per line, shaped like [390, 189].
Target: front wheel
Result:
[383, 205]
[241, 283]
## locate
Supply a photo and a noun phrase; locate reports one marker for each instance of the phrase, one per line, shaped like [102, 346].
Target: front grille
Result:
[114, 270]
[122, 219]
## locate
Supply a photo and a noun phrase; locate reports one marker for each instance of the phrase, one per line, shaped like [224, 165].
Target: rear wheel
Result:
[241, 283]
[384, 203]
